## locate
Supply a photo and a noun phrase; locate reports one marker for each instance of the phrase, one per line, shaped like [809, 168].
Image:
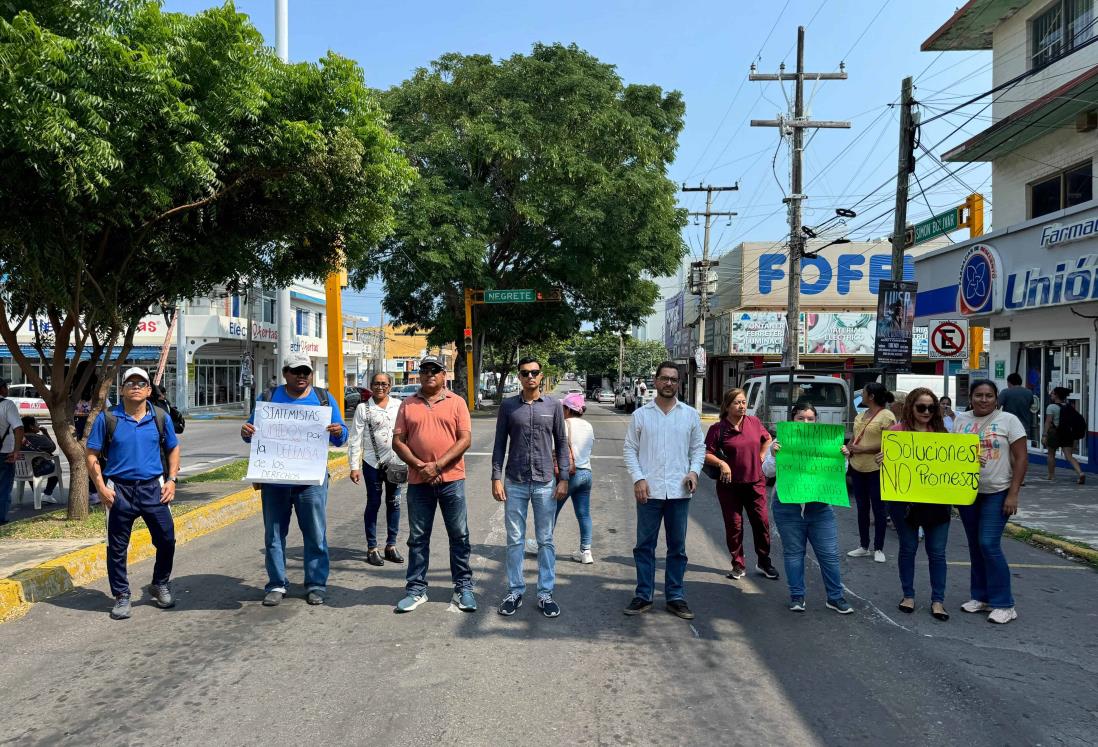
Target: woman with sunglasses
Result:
[923, 414]
[1003, 461]
[865, 473]
[801, 523]
[371, 451]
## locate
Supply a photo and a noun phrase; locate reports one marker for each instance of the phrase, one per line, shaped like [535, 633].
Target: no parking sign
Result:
[948, 339]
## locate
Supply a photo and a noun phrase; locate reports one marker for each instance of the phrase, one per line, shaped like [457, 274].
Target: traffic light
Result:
[554, 296]
[468, 340]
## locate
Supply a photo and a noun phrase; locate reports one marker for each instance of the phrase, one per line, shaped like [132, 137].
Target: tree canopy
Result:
[538, 171]
[147, 157]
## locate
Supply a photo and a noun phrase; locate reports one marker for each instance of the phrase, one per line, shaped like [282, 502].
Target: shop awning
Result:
[972, 25]
[1033, 120]
[137, 353]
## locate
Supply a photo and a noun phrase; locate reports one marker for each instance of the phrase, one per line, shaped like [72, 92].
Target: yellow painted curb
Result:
[89, 564]
[1023, 532]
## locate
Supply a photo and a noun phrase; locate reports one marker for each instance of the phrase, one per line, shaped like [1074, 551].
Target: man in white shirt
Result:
[371, 450]
[11, 442]
[664, 452]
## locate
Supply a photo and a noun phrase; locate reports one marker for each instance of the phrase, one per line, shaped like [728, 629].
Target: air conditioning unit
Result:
[1086, 121]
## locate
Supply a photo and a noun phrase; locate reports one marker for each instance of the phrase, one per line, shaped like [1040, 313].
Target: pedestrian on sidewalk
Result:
[133, 460]
[431, 435]
[373, 460]
[737, 445]
[42, 447]
[864, 470]
[309, 501]
[530, 434]
[10, 446]
[1003, 458]
[923, 414]
[1058, 436]
[1018, 401]
[581, 440]
[801, 523]
[664, 451]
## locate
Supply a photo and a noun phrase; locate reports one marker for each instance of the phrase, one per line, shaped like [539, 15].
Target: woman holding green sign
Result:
[921, 413]
[801, 523]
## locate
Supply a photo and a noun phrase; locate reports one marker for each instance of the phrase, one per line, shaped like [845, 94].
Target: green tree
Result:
[598, 353]
[538, 171]
[149, 156]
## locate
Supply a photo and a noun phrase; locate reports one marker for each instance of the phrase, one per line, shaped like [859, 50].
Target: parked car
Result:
[605, 397]
[403, 390]
[770, 399]
[26, 398]
[353, 396]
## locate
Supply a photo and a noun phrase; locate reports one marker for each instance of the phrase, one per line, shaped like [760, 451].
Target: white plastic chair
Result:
[24, 474]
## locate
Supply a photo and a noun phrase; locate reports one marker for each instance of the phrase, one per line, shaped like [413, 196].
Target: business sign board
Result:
[832, 335]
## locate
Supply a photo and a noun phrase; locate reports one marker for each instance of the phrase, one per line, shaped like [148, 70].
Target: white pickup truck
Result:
[770, 399]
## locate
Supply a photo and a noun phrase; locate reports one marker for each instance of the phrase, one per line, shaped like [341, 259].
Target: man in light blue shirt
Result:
[310, 501]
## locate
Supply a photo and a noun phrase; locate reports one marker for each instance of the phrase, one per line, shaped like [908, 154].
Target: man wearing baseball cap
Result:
[309, 501]
[137, 442]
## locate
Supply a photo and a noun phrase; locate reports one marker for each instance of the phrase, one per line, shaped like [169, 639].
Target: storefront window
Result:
[217, 382]
[1066, 189]
[1058, 364]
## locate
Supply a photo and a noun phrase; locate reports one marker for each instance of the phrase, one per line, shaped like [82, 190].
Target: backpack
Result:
[112, 423]
[179, 423]
[321, 395]
[1072, 424]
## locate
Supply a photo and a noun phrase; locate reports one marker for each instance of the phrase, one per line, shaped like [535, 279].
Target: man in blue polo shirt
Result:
[310, 501]
[141, 452]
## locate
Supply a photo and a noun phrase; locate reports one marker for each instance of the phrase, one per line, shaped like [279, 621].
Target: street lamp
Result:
[813, 255]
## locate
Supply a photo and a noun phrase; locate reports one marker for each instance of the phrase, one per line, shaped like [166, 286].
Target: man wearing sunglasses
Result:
[309, 501]
[432, 433]
[536, 473]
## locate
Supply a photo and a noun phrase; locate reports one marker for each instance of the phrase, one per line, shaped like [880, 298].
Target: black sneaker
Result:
[315, 597]
[637, 606]
[162, 595]
[121, 609]
[680, 608]
[768, 570]
[373, 557]
[272, 598]
[510, 604]
[737, 572]
[548, 607]
[393, 555]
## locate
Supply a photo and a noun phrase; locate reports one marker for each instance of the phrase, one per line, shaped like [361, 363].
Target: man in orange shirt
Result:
[432, 433]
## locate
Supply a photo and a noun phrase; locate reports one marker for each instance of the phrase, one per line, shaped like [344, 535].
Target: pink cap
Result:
[574, 401]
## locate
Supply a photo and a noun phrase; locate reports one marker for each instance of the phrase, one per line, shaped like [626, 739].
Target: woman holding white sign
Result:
[921, 413]
[801, 523]
[1003, 459]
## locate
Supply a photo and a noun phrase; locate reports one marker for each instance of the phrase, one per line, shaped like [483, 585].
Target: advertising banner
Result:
[895, 322]
[758, 333]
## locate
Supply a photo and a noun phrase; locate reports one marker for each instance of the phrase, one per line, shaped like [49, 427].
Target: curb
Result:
[88, 564]
[1025, 534]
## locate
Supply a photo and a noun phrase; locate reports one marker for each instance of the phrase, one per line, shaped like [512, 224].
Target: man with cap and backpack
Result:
[309, 501]
[133, 461]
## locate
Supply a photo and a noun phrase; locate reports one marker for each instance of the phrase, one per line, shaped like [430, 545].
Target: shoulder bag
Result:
[711, 471]
[394, 471]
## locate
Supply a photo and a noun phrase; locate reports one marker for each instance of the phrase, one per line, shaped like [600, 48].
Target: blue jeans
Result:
[422, 502]
[375, 485]
[310, 502]
[934, 541]
[816, 525]
[7, 482]
[132, 500]
[984, 524]
[675, 515]
[579, 490]
[867, 493]
[519, 497]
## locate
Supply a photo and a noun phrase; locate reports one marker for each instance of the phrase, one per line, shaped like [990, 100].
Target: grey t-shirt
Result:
[1017, 400]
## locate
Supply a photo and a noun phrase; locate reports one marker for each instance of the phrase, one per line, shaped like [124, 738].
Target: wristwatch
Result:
[174, 479]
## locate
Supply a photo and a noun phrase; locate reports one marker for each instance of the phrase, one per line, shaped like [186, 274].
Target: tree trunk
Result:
[73, 449]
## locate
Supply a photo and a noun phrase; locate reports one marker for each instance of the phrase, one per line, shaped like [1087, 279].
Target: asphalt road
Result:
[222, 669]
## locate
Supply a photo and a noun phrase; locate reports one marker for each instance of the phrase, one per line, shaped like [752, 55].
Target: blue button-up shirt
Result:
[536, 431]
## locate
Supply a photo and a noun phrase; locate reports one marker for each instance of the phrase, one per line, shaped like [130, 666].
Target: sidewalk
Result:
[1062, 508]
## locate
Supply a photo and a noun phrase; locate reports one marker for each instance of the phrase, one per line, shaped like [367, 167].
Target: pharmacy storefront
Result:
[1035, 286]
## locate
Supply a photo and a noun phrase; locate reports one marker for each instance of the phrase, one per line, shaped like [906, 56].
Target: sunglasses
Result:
[135, 384]
[530, 374]
[922, 409]
[432, 371]
[301, 371]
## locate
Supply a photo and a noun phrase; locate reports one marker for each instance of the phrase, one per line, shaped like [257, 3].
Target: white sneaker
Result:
[861, 552]
[583, 556]
[531, 547]
[878, 556]
[1002, 615]
[974, 606]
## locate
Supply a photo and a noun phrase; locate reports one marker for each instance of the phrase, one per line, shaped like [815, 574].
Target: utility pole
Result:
[249, 380]
[795, 126]
[285, 309]
[701, 288]
[904, 169]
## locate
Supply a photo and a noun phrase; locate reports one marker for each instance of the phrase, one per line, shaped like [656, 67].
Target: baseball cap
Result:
[574, 402]
[296, 360]
[3, 383]
[136, 371]
[432, 360]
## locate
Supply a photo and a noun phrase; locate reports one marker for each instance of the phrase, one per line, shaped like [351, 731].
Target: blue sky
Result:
[704, 49]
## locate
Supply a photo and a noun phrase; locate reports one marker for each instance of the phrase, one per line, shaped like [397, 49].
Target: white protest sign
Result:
[290, 445]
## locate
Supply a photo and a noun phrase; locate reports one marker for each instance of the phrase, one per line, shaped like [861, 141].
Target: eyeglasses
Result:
[134, 384]
[432, 371]
[922, 409]
[301, 372]
[381, 384]
[668, 379]
[528, 374]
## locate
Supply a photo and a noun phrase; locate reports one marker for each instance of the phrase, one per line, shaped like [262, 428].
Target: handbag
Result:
[394, 471]
[709, 470]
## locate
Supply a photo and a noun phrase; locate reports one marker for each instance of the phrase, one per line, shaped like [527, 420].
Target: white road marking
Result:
[208, 464]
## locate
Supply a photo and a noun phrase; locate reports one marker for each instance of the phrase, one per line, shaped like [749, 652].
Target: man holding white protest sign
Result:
[290, 460]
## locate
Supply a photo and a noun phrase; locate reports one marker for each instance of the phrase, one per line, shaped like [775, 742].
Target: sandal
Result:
[904, 608]
[939, 614]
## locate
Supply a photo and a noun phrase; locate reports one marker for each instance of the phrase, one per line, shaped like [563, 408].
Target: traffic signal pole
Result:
[470, 392]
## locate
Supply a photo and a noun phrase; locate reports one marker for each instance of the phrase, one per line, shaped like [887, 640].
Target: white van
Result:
[770, 399]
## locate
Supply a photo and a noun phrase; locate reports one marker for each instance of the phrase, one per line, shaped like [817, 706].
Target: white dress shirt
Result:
[383, 420]
[663, 447]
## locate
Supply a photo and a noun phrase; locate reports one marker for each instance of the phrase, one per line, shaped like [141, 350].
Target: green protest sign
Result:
[810, 464]
[930, 467]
